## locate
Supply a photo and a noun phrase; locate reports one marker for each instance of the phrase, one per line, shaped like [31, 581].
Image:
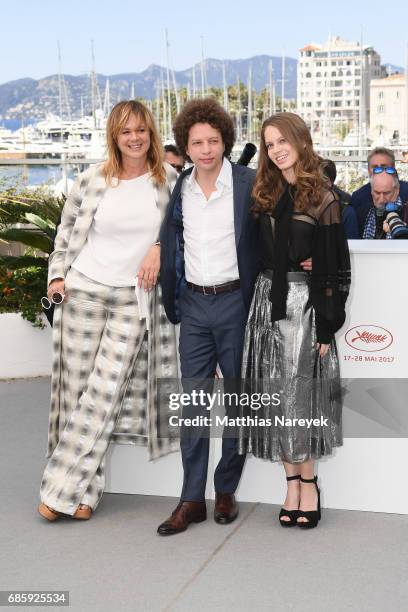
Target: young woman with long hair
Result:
[105, 264]
[289, 346]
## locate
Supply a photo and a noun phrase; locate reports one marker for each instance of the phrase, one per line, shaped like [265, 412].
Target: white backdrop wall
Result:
[368, 472]
[25, 350]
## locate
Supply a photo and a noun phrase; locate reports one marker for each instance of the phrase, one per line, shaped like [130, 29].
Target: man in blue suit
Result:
[209, 264]
[361, 200]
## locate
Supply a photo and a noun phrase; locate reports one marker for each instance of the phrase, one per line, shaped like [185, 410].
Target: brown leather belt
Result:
[215, 289]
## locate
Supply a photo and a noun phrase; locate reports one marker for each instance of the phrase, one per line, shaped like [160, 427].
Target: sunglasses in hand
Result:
[56, 298]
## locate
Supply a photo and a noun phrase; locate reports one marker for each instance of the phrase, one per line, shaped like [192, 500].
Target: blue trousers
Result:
[212, 330]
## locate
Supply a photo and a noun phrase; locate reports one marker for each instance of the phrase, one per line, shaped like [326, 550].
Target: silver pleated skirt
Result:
[280, 360]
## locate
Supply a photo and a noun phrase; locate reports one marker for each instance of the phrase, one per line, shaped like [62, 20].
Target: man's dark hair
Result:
[203, 110]
[382, 151]
[170, 148]
[329, 169]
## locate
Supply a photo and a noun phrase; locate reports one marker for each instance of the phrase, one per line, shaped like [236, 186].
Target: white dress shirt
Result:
[209, 232]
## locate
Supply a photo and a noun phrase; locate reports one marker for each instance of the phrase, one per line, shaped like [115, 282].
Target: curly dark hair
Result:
[203, 110]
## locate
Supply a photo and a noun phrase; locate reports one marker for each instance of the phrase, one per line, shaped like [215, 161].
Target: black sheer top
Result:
[319, 234]
[301, 232]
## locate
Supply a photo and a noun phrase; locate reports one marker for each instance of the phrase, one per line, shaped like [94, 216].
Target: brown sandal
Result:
[83, 512]
[48, 513]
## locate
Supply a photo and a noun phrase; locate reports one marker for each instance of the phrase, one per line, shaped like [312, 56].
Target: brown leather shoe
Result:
[186, 512]
[48, 513]
[83, 513]
[226, 508]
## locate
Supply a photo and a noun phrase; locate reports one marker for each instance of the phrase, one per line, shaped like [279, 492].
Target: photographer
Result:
[361, 200]
[388, 217]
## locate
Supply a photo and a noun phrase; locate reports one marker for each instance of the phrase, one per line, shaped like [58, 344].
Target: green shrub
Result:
[21, 291]
[29, 218]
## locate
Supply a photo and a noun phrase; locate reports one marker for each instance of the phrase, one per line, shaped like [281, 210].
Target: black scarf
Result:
[279, 290]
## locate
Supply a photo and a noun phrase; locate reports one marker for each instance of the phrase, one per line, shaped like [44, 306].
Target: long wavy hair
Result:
[270, 183]
[117, 120]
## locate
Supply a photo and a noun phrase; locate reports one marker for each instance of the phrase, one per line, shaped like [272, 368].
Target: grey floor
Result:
[116, 562]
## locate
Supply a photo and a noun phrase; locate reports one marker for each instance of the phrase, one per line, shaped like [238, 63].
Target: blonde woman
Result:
[106, 263]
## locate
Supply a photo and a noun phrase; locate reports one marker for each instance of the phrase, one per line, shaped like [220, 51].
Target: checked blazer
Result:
[159, 351]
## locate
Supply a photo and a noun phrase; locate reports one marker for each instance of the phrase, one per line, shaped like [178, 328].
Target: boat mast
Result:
[194, 81]
[176, 93]
[164, 104]
[239, 130]
[283, 84]
[60, 90]
[106, 101]
[173, 76]
[224, 82]
[157, 86]
[203, 83]
[168, 134]
[93, 84]
[272, 100]
[249, 114]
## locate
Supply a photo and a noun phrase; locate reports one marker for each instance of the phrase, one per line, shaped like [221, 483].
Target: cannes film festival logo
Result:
[369, 338]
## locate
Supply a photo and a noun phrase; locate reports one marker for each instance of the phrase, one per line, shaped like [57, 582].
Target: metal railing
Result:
[351, 170]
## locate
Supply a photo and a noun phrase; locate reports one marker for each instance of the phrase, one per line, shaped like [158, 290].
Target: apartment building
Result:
[333, 86]
[389, 110]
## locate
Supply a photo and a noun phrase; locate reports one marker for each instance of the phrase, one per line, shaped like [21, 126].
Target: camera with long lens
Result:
[398, 229]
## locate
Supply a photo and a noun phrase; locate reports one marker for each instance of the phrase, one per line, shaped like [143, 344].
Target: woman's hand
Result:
[56, 286]
[306, 265]
[149, 270]
[322, 348]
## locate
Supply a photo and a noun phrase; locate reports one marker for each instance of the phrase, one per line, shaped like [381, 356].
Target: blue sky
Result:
[129, 35]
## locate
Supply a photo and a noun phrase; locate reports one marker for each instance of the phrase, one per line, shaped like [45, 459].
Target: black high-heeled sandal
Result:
[312, 516]
[291, 514]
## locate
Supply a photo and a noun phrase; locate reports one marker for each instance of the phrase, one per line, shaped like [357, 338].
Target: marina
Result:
[334, 96]
[58, 173]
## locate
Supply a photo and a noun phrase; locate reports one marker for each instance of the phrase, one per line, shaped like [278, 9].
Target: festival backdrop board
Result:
[364, 474]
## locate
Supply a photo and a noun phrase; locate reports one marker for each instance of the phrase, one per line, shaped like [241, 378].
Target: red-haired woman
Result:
[289, 346]
[106, 262]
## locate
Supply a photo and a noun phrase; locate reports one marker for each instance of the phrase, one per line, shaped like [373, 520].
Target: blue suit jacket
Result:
[362, 201]
[172, 270]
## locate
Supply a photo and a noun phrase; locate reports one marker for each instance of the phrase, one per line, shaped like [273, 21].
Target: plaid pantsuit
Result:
[106, 367]
[101, 340]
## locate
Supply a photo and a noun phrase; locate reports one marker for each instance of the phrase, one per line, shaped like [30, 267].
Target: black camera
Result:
[398, 229]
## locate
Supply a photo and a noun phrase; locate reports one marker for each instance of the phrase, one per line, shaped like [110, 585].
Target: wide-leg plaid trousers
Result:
[101, 339]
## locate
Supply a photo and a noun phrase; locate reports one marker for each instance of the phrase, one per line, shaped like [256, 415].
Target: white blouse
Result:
[125, 226]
